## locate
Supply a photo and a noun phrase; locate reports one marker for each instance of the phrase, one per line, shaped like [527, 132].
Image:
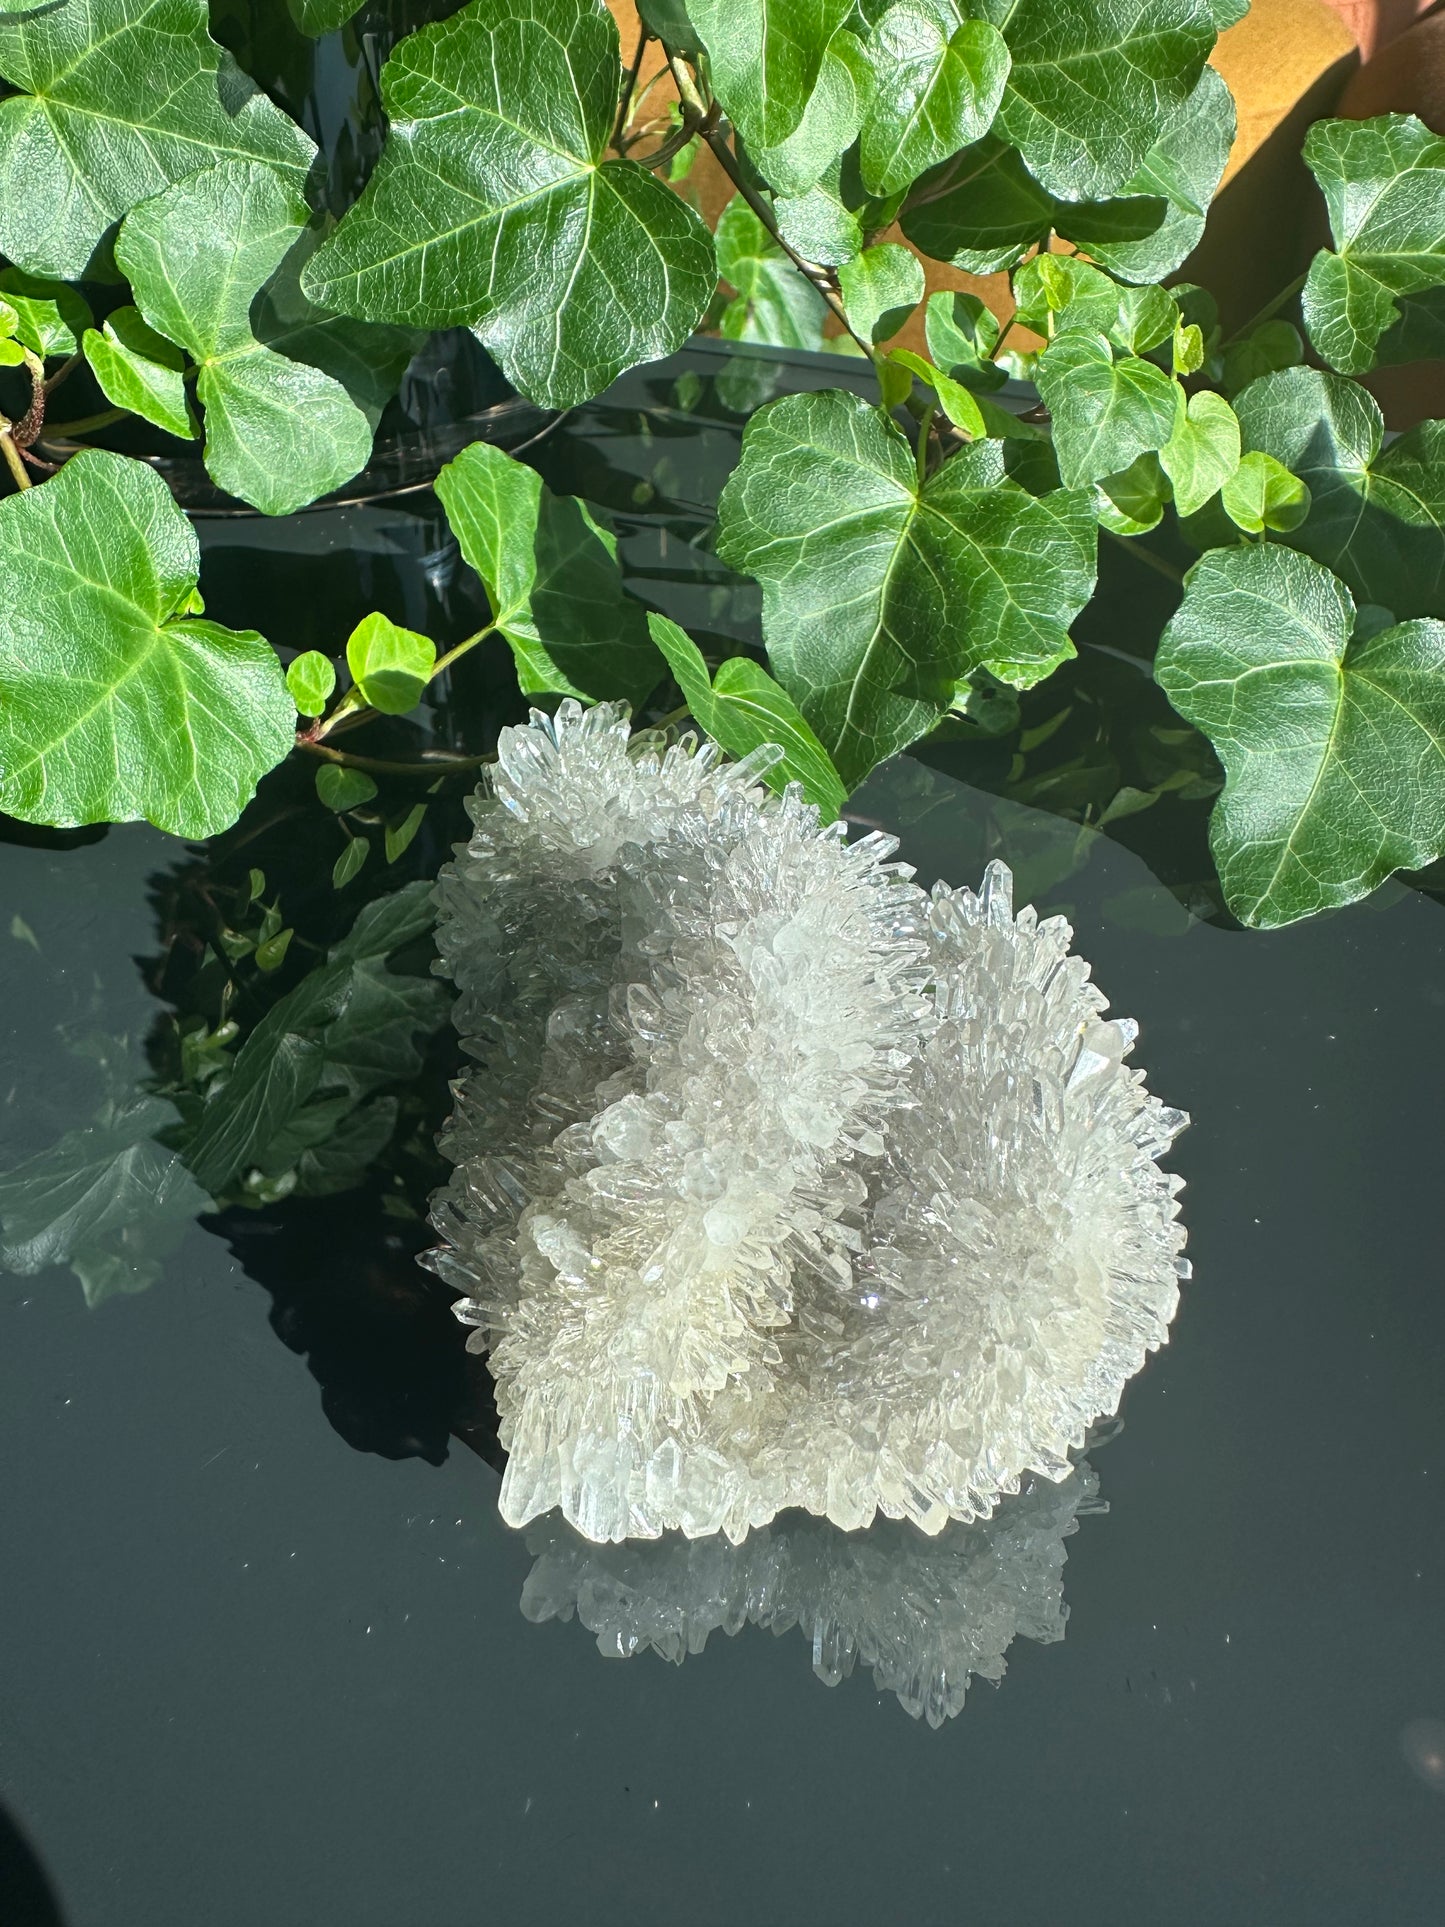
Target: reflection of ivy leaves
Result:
[107, 1200]
[292, 1100]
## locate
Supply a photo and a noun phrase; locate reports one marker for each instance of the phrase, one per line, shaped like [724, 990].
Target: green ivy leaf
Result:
[340, 788]
[1377, 518]
[819, 225]
[551, 577]
[1059, 291]
[400, 836]
[981, 211]
[1095, 84]
[391, 666]
[1262, 494]
[492, 205]
[880, 289]
[1271, 346]
[1333, 748]
[742, 707]
[1384, 184]
[51, 315]
[278, 433]
[1151, 231]
[1203, 452]
[765, 60]
[830, 122]
[311, 677]
[348, 865]
[879, 597]
[368, 358]
[159, 716]
[118, 99]
[773, 302]
[1105, 412]
[139, 369]
[937, 87]
[962, 334]
[957, 402]
[1132, 502]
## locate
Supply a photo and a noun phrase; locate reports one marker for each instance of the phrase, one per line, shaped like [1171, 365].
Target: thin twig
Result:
[1273, 307]
[86, 424]
[429, 766]
[66, 369]
[702, 121]
[620, 125]
[1146, 556]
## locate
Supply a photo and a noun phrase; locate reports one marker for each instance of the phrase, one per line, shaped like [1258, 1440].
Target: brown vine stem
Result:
[702, 120]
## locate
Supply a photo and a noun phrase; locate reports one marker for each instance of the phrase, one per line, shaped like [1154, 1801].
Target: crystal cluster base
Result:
[777, 1181]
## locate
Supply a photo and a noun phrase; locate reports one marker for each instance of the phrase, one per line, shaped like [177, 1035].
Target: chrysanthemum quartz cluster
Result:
[778, 1183]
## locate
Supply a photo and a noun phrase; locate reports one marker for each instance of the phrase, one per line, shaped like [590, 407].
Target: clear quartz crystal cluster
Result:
[926, 1616]
[778, 1183]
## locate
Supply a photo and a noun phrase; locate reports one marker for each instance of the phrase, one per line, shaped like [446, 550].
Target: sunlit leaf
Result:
[1333, 746]
[1262, 494]
[1105, 411]
[1377, 515]
[1094, 85]
[1203, 451]
[551, 577]
[1384, 184]
[278, 433]
[879, 596]
[881, 288]
[113, 705]
[390, 666]
[773, 302]
[118, 98]
[311, 677]
[937, 87]
[492, 205]
[742, 707]
[138, 369]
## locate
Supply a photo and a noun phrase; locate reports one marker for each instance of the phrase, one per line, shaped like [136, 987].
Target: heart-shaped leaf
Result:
[52, 316]
[113, 705]
[140, 370]
[492, 205]
[1384, 184]
[1262, 494]
[1203, 451]
[773, 301]
[880, 289]
[880, 597]
[1333, 747]
[1105, 412]
[391, 666]
[935, 90]
[551, 576]
[742, 707]
[962, 335]
[1377, 516]
[1178, 177]
[830, 122]
[278, 433]
[765, 59]
[311, 677]
[118, 99]
[1094, 85]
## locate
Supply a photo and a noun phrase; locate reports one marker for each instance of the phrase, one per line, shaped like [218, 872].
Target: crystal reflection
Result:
[925, 1615]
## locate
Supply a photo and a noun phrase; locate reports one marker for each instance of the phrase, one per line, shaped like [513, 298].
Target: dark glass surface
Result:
[262, 1662]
